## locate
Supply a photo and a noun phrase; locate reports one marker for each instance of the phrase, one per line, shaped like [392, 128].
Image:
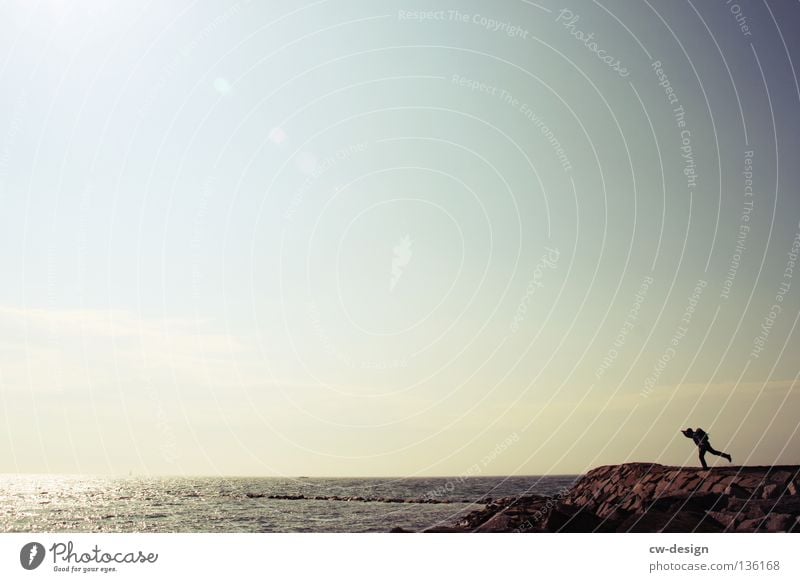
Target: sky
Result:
[396, 238]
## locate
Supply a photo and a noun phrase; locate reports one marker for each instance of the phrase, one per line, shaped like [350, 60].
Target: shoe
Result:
[727, 456]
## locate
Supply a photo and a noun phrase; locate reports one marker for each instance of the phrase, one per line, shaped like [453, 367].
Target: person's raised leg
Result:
[713, 451]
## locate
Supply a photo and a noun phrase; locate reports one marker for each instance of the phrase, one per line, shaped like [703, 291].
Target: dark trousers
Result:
[707, 448]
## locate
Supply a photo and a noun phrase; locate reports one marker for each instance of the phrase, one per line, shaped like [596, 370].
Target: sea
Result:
[64, 503]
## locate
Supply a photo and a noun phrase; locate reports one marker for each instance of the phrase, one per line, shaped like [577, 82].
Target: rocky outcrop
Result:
[644, 497]
[301, 497]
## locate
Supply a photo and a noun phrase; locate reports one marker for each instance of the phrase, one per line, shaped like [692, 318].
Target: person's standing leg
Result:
[703, 457]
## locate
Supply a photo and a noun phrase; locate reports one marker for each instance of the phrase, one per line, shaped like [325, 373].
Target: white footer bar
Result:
[406, 557]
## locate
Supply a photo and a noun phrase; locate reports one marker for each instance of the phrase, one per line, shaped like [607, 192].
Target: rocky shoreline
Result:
[302, 497]
[645, 497]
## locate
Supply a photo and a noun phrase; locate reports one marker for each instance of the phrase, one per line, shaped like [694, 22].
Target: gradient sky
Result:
[396, 238]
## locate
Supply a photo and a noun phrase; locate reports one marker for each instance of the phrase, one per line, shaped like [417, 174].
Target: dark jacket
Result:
[699, 436]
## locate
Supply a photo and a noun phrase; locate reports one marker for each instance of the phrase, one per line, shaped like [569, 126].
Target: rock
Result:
[752, 482]
[780, 478]
[668, 521]
[570, 519]
[698, 502]
[771, 491]
[713, 484]
[733, 490]
[774, 522]
[726, 518]
[498, 523]
[749, 525]
[786, 504]
[608, 508]
[681, 481]
[662, 488]
[778, 522]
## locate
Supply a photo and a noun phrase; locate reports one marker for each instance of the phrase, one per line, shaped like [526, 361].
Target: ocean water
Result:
[48, 503]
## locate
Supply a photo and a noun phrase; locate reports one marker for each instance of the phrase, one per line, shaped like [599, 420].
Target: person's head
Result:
[689, 432]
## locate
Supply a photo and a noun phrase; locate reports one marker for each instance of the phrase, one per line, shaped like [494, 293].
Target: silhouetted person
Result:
[700, 438]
